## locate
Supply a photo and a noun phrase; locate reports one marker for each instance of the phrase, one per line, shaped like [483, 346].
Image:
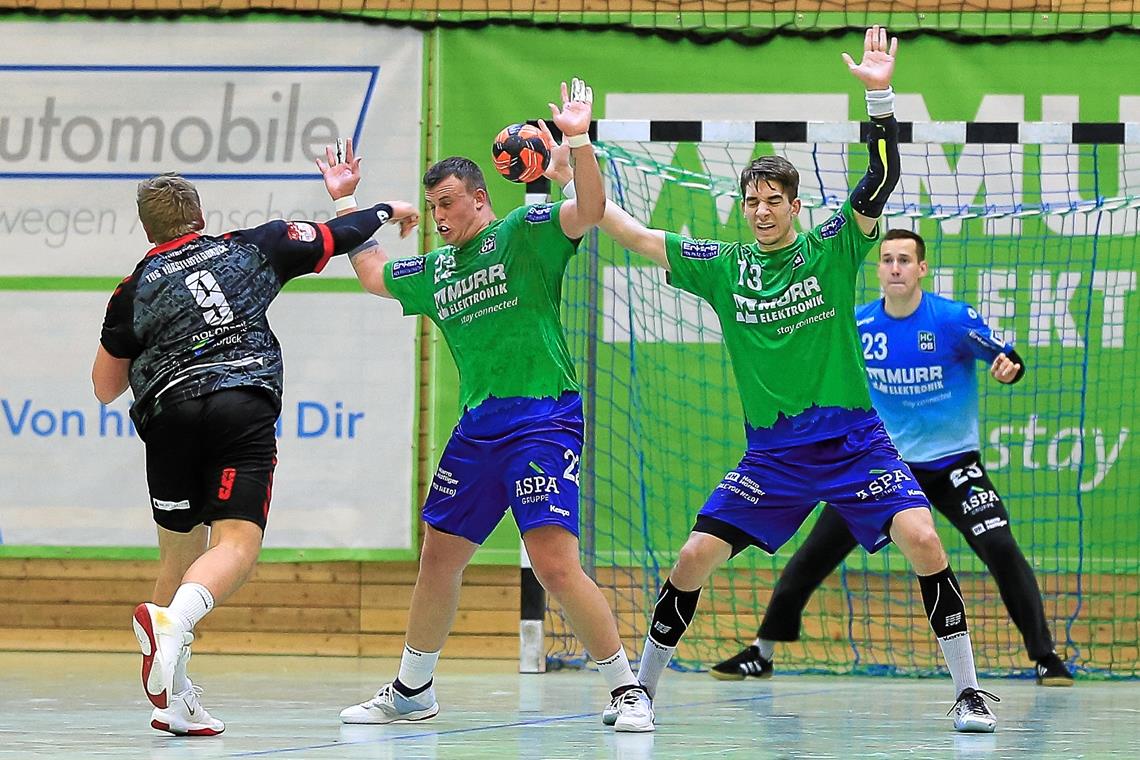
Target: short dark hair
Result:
[919, 243]
[771, 169]
[463, 169]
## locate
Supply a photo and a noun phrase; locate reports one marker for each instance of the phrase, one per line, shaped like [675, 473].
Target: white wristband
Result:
[880, 102]
[345, 203]
[569, 191]
[577, 141]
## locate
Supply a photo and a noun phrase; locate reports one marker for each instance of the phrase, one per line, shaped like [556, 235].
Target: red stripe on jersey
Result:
[327, 241]
[172, 244]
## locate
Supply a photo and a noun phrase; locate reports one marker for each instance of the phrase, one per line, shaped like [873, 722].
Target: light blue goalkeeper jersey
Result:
[922, 375]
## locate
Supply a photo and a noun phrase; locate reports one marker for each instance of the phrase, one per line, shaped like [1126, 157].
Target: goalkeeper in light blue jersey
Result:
[921, 352]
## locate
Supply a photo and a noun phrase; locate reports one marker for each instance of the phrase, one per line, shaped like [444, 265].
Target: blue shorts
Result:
[520, 453]
[772, 491]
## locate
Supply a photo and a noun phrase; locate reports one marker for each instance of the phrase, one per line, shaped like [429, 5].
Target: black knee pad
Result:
[942, 599]
[671, 617]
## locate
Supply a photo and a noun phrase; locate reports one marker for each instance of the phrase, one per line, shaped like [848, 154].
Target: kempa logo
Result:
[239, 128]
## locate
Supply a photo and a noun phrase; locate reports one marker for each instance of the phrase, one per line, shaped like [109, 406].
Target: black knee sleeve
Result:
[942, 598]
[671, 617]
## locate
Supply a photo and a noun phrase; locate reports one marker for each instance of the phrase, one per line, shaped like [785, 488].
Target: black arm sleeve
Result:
[118, 336]
[1016, 359]
[351, 230]
[870, 195]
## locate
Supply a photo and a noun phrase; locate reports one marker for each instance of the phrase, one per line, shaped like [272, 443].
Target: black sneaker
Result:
[747, 663]
[1051, 671]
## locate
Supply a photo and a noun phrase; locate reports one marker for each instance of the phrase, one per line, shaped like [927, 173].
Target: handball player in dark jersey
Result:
[187, 332]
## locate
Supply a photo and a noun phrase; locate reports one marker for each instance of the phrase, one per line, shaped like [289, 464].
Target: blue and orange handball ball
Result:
[520, 153]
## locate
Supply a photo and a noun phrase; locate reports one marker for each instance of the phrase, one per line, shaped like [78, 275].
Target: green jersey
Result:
[496, 299]
[788, 320]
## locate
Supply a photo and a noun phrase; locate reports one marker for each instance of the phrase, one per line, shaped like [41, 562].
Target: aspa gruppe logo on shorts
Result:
[407, 267]
[302, 231]
[886, 483]
[832, 226]
[535, 488]
[699, 249]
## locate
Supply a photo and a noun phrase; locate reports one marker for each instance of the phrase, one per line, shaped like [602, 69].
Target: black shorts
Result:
[212, 458]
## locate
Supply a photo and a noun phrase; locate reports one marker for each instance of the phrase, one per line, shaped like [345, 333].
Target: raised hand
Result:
[342, 172]
[559, 167]
[577, 108]
[878, 64]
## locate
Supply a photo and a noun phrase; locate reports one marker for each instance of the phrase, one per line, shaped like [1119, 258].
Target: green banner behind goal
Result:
[1040, 238]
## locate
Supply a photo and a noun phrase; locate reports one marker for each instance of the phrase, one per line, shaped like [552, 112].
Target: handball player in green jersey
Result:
[921, 350]
[786, 302]
[494, 290]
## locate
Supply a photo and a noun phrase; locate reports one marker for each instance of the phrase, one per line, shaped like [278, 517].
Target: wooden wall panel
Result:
[354, 608]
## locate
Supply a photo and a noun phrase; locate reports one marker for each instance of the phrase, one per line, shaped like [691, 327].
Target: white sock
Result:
[767, 648]
[615, 669]
[416, 667]
[960, 660]
[191, 603]
[654, 659]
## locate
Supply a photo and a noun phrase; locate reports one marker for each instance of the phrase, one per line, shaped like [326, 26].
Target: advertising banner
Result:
[243, 110]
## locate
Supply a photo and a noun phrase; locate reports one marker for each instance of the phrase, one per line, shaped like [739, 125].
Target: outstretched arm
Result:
[617, 223]
[579, 215]
[342, 175]
[635, 236]
[875, 72]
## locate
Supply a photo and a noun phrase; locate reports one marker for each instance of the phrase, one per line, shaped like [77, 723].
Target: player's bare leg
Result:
[554, 554]
[435, 599]
[228, 563]
[176, 553]
[193, 578]
[913, 531]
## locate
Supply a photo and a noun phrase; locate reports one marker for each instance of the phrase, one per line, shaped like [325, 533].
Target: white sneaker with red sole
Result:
[185, 716]
[160, 640]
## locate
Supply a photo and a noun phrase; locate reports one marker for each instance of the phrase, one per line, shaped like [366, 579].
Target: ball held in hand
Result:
[520, 153]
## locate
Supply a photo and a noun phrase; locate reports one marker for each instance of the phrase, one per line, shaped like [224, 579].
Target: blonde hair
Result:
[169, 207]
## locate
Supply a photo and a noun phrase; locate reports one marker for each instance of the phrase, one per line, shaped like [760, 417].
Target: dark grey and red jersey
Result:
[191, 317]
